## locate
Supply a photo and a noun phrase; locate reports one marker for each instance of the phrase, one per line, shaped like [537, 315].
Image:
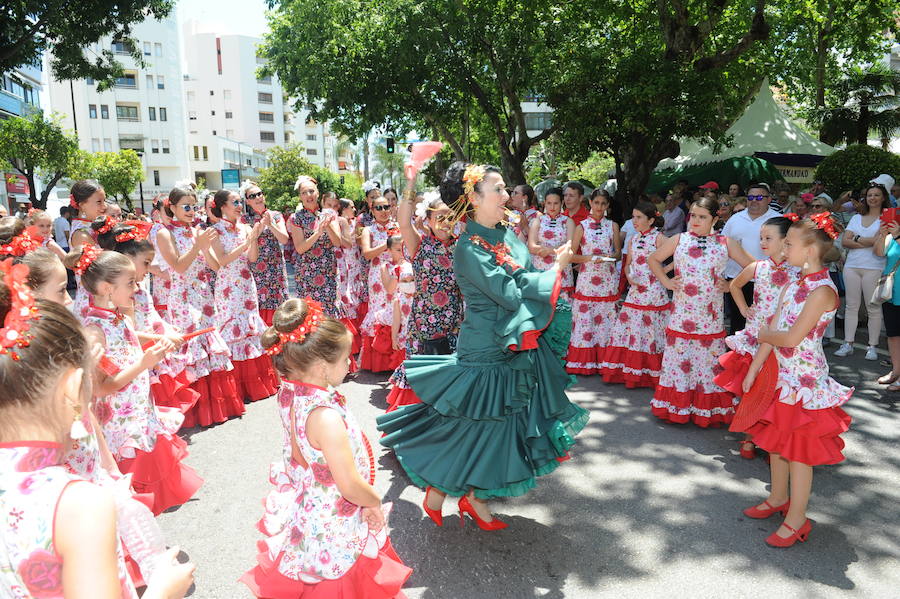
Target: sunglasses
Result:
[238, 203]
[253, 196]
[188, 207]
[757, 198]
[381, 208]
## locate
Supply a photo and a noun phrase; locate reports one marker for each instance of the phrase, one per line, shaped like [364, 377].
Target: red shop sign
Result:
[17, 184]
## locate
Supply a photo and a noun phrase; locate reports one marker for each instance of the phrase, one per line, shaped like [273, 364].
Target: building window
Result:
[160, 82]
[264, 97]
[152, 113]
[266, 117]
[157, 48]
[538, 121]
[92, 110]
[165, 146]
[265, 80]
[107, 145]
[132, 142]
[287, 137]
[312, 152]
[229, 133]
[127, 80]
[162, 114]
[226, 94]
[267, 136]
[95, 145]
[214, 132]
[212, 93]
[122, 46]
[310, 137]
[89, 81]
[149, 81]
[146, 48]
[196, 152]
[154, 146]
[212, 112]
[156, 178]
[205, 153]
[228, 115]
[192, 115]
[126, 113]
[191, 96]
[104, 111]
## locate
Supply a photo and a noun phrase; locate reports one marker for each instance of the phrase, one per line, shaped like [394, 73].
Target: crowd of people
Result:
[478, 302]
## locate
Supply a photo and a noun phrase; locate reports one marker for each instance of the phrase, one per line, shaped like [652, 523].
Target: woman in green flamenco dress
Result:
[494, 416]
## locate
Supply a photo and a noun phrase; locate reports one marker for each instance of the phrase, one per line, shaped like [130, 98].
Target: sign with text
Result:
[17, 184]
[797, 174]
[231, 178]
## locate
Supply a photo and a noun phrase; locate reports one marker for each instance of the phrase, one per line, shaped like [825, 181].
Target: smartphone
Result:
[890, 214]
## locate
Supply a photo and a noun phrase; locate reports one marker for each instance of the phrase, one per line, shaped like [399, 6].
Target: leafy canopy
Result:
[853, 168]
[288, 163]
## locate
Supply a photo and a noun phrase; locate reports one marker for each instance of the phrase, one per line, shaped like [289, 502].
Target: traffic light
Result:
[390, 145]
[342, 179]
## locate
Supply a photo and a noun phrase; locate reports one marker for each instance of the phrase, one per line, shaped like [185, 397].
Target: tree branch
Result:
[759, 30]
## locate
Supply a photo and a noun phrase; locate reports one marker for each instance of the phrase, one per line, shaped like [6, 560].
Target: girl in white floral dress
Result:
[373, 244]
[801, 427]
[192, 308]
[324, 523]
[140, 436]
[770, 277]
[597, 290]
[695, 337]
[88, 198]
[237, 308]
[548, 232]
[634, 353]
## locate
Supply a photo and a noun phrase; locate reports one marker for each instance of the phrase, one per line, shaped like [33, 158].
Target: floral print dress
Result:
[695, 338]
[769, 279]
[315, 270]
[268, 270]
[552, 233]
[634, 353]
[805, 421]
[594, 304]
[378, 298]
[82, 297]
[349, 273]
[161, 287]
[32, 481]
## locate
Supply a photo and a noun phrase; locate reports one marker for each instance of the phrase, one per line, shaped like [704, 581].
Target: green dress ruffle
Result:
[494, 416]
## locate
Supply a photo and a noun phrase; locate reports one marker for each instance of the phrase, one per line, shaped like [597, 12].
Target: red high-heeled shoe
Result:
[465, 507]
[755, 512]
[748, 453]
[796, 535]
[436, 515]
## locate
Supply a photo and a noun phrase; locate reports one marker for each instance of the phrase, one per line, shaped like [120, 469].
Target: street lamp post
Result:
[141, 183]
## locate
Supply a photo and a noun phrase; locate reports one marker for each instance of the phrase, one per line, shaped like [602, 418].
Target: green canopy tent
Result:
[742, 170]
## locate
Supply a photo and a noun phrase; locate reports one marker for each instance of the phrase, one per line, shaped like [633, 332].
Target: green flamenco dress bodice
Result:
[494, 415]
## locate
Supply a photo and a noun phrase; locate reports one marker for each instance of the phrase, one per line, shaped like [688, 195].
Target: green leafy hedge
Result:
[854, 167]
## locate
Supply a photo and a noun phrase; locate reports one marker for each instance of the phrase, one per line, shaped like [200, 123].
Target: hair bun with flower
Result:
[89, 253]
[14, 333]
[473, 176]
[20, 245]
[309, 325]
[793, 217]
[825, 222]
[108, 223]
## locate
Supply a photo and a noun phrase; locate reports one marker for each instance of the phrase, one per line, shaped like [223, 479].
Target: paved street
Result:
[644, 509]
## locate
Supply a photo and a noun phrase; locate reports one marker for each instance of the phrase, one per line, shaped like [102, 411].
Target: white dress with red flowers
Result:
[552, 233]
[695, 338]
[160, 287]
[82, 297]
[805, 421]
[634, 353]
[402, 298]
[594, 303]
[313, 535]
[371, 358]
[769, 279]
[31, 484]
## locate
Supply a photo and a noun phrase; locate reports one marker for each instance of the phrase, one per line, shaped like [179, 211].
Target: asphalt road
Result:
[644, 509]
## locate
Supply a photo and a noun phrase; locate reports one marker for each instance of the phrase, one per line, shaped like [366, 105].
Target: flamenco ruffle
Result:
[357, 340]
[373, 360]
[735, 365]
[381, 577]
[811, 437]
[267, 316]
[255, 379]
[702, 409]
[174, 392]
[584, 360]
[401, 397]
[218, 401]
[516, 412]
[634, 368]
[162, 474]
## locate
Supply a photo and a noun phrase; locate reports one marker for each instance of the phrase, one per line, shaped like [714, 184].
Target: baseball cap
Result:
[886, 181]
[710, 185]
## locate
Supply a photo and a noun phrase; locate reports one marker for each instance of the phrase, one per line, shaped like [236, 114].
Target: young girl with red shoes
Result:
[769, 277]
[394, 271]
[88, 199]
[140, 436]
[634, 353]
[596, 290]
[186, 249]
[324, 524]
[237, 309]
[373, 243]
[801, 427]
[695, 336]
[60, 531]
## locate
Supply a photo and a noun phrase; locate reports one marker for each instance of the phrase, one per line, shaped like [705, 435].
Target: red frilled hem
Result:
[633, 368]
[255, 379]
[381, 577]
[357, 340]
[378, 356]
[267, 316]
[811, 437]
[161, 473]
[734, 370]
[218, 401]
[401, 397]
[702, 409]
[361, 310]
[584, 360]
[174, 392]
[530, 338]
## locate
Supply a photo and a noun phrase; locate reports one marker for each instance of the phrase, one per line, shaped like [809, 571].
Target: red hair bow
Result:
[108, 223]
[824, 222]
[20, 245]
[793, 217]
[21, 309]
[89, 253]
[307, 327]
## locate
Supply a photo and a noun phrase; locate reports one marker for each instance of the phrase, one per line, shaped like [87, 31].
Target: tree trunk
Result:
[635, 162]
[32, 194]
[512, 166]
[862, 125]
[366, 157]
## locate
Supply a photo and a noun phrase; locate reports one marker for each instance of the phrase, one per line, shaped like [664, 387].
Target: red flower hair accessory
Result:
[307, 327]
[824, 222]
[791, 216]
[20, 245]
[22, 311]
[89, 253]
[108, 223]
[73, 203]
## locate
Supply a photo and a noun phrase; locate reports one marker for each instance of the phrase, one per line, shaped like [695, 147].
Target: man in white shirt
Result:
[61, 228]
[744, 227]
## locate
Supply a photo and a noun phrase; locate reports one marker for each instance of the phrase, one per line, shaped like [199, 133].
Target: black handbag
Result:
[436, 347]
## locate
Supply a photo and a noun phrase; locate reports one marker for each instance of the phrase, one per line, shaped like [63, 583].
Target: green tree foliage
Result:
[288, 163]
[29, 27]
[118, 172]
[35, 146]
[388, 168]
[853, 168]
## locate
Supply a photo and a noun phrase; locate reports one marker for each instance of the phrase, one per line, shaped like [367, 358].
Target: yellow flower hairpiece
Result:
[472, 177]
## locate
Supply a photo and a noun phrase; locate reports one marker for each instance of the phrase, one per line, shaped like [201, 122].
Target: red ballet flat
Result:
[796, 535]
[748, 450]
[755, 512]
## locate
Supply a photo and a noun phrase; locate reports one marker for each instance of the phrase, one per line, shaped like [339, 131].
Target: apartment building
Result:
[19, 96]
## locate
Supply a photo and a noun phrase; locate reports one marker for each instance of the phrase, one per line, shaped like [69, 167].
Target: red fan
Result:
[422, 151]
[757, 400]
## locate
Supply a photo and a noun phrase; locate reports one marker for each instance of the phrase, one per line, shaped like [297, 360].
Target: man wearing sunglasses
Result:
[744, 227]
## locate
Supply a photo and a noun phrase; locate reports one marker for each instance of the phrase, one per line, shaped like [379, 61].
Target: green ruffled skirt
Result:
[492, 421]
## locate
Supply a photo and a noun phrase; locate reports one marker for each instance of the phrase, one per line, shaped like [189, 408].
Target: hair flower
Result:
[20, 245]
[824, 222]
[89, 253]
[473, 176]
[309, 325]
[108, 223]
[792, 216]
[22, 311]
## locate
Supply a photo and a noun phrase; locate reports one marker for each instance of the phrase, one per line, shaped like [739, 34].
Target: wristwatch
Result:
[856, 238]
